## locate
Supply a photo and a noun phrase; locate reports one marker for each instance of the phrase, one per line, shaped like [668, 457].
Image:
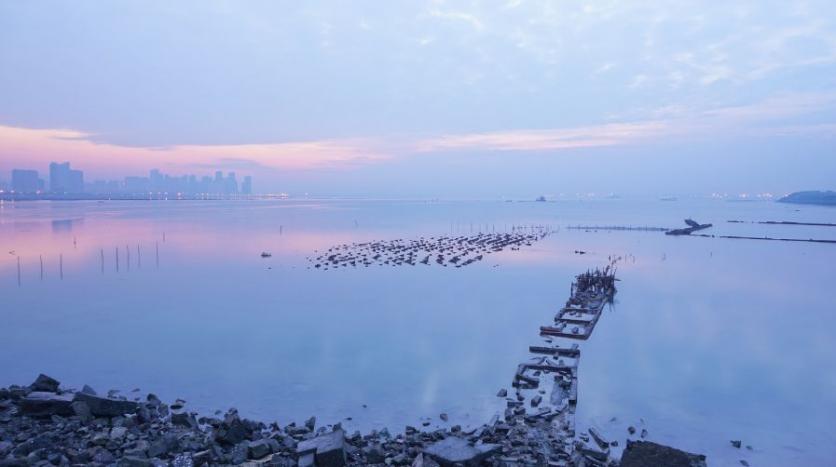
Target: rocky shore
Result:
[43, 424]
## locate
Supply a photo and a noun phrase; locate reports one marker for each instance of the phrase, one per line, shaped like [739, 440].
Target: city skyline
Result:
[64, 180]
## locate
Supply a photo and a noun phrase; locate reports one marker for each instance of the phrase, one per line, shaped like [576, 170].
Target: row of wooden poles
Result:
[102, 261]
[490, 228]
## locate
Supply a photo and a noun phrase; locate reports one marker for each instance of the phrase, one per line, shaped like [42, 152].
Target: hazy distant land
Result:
[825, 198]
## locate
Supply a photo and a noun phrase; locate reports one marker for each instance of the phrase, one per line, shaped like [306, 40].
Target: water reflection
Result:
[709, 340]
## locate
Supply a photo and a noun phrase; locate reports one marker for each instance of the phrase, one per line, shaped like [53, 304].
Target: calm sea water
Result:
[709, 339]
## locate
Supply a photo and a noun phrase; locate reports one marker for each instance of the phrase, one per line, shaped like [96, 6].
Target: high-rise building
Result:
[231, 185]
[25, 181]
[62, 179]
[59, 174]
[247, 185]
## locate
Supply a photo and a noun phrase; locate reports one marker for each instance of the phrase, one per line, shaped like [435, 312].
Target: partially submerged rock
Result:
[649, 454]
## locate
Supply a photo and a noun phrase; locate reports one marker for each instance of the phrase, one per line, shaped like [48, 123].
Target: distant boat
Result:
[668, 198]
[541, 199]
[265, 254]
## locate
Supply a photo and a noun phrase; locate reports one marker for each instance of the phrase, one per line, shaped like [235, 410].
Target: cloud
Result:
[548, 139]
[789, 114]
[37, 147]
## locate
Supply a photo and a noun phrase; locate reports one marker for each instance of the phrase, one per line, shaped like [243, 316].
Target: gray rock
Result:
[453, 450]
[42, 404]
[45, 383]
[129, 461]
[310, 423]
[5, 447]
[502, 393]
[259, 449]
[202, 457]
[233, 430]
[106, 407]
[139, 449]
[184, 419]
[88, 390]
[306, 460]
[82, 410]
[328, 449]
[118, 433]
[183, 460]
[240, 453]
[646, 453]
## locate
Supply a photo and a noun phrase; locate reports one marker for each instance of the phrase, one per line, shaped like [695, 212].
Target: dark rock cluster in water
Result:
[443, 251]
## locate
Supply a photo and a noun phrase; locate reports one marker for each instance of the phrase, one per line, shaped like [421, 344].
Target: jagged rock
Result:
[502, 393]
[259, 449]
[233, 430]
[183, 460]
[118, 433]
[82, 410]
[310, 423]
[88, 390]
[43, 404]
[648, 454]
[453, 450]
[736, 443]
[184, 419]
[328, 450]
[45, 383]
[106, 407]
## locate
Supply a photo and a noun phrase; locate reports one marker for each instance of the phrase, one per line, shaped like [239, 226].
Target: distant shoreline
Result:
[818, 198]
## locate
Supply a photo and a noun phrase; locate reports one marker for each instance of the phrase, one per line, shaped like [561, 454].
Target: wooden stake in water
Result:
[61, 266]
[117, 259]
[158, 254]
[18, 271]
[128, 255]
[41, 257]
[102, 257]
[138, 257]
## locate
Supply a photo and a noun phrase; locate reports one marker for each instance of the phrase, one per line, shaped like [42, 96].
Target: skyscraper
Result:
[59, 175]
[62, 179]
[247, 185]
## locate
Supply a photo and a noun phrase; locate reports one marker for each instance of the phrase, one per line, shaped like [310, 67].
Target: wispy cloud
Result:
[781, 115]
[37, 147]
[547, 139]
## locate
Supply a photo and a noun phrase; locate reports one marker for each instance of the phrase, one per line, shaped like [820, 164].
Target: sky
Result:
[427, 99]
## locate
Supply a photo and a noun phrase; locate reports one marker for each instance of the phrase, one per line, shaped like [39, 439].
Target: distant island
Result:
[824, 198]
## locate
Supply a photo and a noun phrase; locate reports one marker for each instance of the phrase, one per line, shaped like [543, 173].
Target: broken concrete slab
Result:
[43, 404]
[453, 450]
[328, 449]
[106, 407]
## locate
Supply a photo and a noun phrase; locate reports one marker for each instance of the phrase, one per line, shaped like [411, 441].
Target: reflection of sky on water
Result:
[709, 340]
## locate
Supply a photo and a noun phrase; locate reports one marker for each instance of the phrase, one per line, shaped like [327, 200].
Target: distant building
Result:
[63, 179]
[247, 185]
[25, 181]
